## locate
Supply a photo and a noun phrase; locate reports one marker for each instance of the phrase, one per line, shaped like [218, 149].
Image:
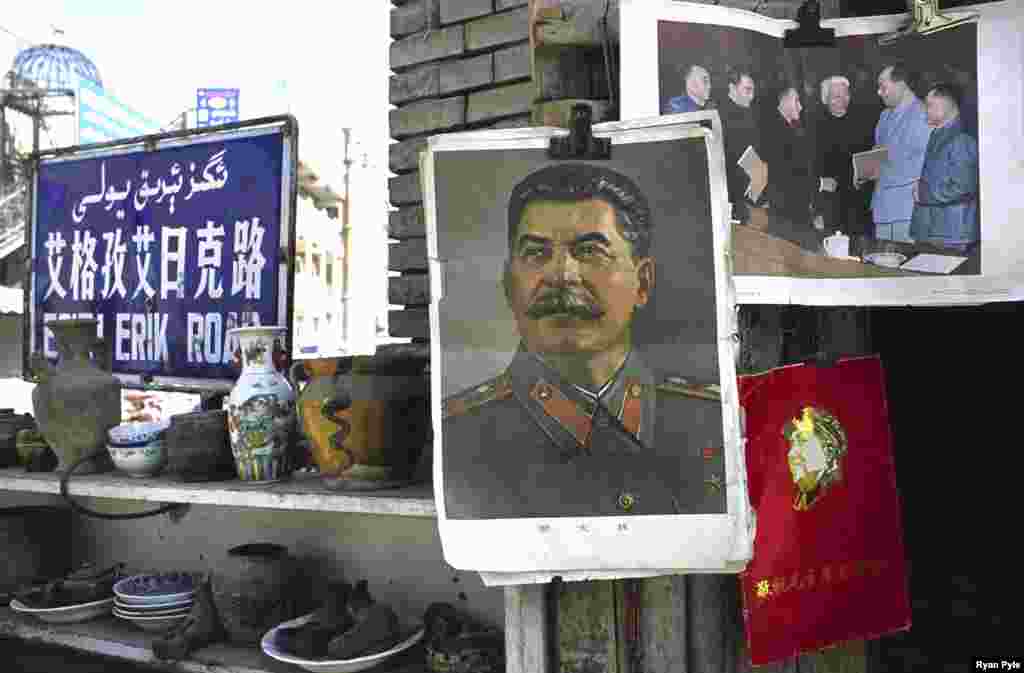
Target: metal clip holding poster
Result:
[927, 19]
[580, 143]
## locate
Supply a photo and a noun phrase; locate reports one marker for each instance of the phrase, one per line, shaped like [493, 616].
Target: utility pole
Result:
[346, 241]
[3, 145]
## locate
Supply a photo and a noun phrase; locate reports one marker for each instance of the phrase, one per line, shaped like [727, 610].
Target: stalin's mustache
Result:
[564, 302]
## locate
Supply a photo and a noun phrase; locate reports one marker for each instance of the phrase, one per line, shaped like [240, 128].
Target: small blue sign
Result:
[216, 106]
[168, 248]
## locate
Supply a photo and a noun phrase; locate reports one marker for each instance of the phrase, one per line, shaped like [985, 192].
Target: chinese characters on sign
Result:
[167, 249]
[823, 579]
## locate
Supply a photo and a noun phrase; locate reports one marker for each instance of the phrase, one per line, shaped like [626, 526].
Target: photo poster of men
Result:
[584, 403]
[936, 224]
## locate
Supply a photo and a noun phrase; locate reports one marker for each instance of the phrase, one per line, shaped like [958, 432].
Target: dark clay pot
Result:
[198, 448]
[253, 590]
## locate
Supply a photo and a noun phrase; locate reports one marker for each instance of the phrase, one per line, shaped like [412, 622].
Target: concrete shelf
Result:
[111, 637]
[302, 492]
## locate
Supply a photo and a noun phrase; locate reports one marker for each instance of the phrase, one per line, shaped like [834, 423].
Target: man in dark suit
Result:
[739, 131]
[841, 131]
[578, 425]
[793, 183]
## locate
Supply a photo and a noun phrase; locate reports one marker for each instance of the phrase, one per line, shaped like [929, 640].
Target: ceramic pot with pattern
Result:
[261, 407]
[382, 412]
[316, 379]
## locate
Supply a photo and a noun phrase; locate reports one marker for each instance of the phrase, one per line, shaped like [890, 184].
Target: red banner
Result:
[828, 562]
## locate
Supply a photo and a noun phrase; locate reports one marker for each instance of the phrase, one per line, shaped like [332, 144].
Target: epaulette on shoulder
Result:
[677, 385]
[495, 389]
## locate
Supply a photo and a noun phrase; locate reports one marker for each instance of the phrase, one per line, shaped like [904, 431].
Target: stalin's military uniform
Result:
[528, 444]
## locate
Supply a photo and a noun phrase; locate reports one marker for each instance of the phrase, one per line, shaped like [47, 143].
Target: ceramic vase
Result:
[261, 407]
[76, 401]
[382, 414]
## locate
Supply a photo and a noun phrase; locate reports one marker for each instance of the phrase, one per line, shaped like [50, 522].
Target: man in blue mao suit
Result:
[903, 129]
[946, 197]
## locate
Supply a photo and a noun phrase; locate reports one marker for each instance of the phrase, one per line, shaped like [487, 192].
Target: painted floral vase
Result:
[76, 401]
[261, 407]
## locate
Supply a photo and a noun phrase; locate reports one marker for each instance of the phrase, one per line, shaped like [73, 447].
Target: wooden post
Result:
[526, 633]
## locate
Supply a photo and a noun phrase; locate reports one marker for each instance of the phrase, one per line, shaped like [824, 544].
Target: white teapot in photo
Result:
[837, 245]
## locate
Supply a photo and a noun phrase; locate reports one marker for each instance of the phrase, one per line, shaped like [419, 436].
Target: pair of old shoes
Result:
[202, 627]
[350, 623]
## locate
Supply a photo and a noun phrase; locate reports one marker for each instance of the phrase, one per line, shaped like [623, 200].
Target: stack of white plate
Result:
[155, 603]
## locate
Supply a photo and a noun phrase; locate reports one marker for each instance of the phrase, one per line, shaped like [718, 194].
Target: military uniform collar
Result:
[569, 414]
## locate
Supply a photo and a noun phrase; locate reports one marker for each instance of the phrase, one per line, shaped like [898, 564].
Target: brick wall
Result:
[458, 65]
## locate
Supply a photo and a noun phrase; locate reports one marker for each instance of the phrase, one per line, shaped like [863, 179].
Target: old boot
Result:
[310, 640]
[202, 627]
[333, 613]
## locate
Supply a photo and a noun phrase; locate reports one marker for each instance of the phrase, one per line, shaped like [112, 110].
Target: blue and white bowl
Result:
[159, 588]
[143, 460]
[137, 433]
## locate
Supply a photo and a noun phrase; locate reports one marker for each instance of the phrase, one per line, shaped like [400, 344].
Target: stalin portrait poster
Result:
[581, 318]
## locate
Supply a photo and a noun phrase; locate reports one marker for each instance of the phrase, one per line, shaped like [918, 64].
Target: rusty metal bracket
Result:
[926, 19]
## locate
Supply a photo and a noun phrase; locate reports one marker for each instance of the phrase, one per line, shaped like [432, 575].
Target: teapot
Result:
[837, 245]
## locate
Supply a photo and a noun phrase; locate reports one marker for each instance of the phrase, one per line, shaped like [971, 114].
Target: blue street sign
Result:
[168, 248]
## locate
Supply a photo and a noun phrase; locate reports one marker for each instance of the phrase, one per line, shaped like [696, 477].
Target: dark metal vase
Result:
[76, 401]
[252, 588]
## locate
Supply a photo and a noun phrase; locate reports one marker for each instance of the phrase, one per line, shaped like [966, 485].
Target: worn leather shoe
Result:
[202, 627]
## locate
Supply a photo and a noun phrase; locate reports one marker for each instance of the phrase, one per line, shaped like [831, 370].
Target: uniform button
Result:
[635, 390]
[626, 501]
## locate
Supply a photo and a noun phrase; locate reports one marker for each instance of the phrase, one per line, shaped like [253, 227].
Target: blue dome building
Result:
[52, 66]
